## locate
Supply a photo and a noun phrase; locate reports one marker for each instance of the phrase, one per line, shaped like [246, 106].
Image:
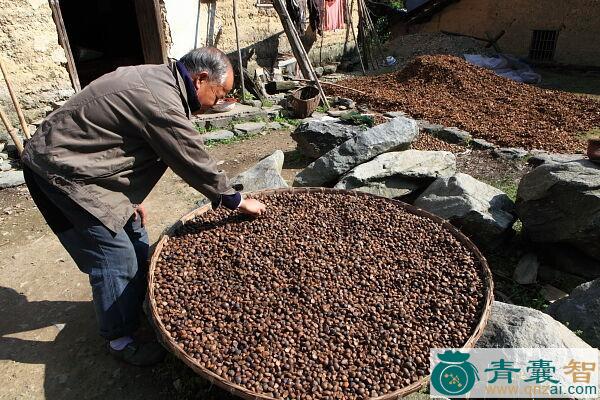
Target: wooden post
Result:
[151, 31]
[362, 65]
[11, 131]
[63, 39]
[239, 52]
[15, 102]
[297, 47]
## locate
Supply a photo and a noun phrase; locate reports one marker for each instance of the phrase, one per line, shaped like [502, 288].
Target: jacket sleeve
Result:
[178, 144]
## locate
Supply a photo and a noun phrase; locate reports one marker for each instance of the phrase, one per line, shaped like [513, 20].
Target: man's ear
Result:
[199, 78]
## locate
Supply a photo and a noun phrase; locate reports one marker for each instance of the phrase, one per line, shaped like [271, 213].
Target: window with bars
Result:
[264, 3]
[543, 44]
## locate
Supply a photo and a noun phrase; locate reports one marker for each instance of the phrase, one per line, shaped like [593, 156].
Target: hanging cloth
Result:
[314, 15]
[334, 14]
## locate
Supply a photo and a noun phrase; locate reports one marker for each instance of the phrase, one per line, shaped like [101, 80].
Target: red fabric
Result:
[334, 14]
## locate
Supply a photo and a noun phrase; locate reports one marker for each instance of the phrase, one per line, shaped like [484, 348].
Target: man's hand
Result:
[140, 212]
[252, 207]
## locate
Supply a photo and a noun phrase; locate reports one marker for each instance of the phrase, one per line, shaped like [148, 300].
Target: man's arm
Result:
[173, 137]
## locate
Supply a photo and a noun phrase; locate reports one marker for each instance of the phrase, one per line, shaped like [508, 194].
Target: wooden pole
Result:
[239, 52]
[332, 84]
[362, 65]
[297, 47]
[12, 132]
[15, 102]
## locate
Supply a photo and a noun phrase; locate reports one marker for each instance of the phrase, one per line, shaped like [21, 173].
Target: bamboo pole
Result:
[297, 48]
[362, 65]
[15, 102]
[331, 84]
[12, 132]
[239, 52]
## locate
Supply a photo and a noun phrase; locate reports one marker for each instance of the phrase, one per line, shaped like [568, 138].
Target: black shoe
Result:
[139, 354]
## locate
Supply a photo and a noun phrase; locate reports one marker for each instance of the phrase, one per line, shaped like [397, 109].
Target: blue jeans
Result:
[116, 263]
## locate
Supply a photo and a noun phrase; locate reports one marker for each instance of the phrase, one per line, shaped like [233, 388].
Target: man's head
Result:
[211, 72]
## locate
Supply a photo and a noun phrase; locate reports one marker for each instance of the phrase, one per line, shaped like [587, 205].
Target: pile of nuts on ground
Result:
[426, 141]
[449, 91]
[328, 295]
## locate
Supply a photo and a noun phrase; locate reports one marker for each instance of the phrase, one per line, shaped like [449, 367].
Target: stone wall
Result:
[260, 30]
[577, 20]
[34, 59]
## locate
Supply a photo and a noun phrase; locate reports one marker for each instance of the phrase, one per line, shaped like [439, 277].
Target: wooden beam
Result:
[15, 101]
[63, 39]
[11, 131]
[239, 52]
[297, 48]
[151, 31]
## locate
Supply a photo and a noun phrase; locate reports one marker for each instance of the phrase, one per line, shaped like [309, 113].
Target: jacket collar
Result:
[183, 90]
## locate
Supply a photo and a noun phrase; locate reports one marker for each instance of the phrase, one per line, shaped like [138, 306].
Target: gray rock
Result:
[429, 127]
[399, 173]
[481, 144]
[541, 157]
[248, 128]
[273, 111]
[274, 126]
[344, 102]
[527, 269]
[569, 260]
[266, 174]
[336, 113]
[219, 123]
[580, 311]
[560, 203]
[391, 187]
[551, 293]
[396, 134]
[5, 166]
[2, 145]
[255, 103]
[329, 69]
[3, 156]
[394, 114]
[510, 153]
[315, 138]
[452, 135]
[281, 86]
[515, 326]
[319, 71]
[485, 213]
[217, 135]
[10, 179]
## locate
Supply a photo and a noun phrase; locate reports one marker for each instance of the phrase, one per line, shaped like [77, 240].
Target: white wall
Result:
[187, 30]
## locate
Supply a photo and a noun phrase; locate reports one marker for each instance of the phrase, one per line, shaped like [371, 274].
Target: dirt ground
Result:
[49, 347]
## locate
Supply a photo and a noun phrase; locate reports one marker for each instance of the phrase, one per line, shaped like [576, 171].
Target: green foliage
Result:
[507, 185]
[397, 4]
[286, 120]
[236, 139]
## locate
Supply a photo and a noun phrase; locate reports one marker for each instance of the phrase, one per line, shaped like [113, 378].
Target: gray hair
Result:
[210, 60]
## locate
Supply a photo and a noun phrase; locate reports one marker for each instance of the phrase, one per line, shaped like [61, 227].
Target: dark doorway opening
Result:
[103, 35]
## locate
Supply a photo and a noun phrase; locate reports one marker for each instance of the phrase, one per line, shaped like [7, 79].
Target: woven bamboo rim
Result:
[244, 393]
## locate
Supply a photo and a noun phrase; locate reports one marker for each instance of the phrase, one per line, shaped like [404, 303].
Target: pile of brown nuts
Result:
[326, 296]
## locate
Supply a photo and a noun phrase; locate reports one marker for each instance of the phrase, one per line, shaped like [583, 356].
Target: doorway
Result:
[101, 35]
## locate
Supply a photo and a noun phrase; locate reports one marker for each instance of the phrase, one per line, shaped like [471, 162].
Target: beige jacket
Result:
[108, 146]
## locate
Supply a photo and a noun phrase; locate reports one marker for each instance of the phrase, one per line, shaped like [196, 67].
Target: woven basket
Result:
[244, 393]
[305, 101]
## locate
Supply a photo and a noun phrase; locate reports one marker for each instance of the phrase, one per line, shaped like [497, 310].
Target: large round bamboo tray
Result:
[247, 394]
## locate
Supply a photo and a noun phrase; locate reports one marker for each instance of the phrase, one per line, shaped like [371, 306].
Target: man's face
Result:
[209, 92]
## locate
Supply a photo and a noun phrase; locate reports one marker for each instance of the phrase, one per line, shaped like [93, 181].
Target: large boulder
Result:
[521, 327]
[315, 138]
[399, 173]
[581, 311]
[560, 203]
[483, 212]
[266, 174]
[10, 179]
[396, 134]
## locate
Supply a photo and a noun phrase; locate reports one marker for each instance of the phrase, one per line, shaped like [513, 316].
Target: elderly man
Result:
[93, 162]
